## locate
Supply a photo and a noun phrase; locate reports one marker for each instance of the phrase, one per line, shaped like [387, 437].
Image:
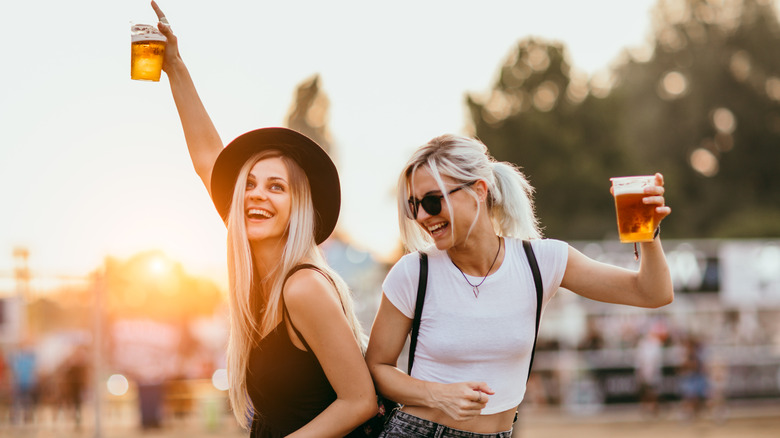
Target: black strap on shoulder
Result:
[529, 252]
[295, 269]
[418, 308]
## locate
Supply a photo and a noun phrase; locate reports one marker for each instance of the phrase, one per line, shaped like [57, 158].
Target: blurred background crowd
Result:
[143, 338]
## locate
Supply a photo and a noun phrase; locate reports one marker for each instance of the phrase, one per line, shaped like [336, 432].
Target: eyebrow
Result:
[270, 178]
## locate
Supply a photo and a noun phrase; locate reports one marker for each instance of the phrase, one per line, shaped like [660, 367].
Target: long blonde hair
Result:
[255, 303]
[510, 196]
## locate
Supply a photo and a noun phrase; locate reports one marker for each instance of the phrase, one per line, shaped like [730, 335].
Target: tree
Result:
[704, 110]
[309, 113]
[543, 118]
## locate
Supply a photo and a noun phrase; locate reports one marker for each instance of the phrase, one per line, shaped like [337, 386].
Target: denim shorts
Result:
[404, 425]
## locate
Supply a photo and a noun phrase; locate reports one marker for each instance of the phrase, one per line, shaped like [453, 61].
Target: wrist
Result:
[431, 399]
[657, 232]
[175, 67]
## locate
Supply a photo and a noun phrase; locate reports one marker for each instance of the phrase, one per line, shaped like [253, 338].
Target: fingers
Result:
[166, 30]
[653, 200]
[159, 12]
[482, 387]
[463, 401]
[655, 192]
[662, 212]
[656, 196]
[480, 402]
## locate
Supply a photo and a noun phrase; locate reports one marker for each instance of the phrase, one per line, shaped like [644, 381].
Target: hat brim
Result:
[315, 162]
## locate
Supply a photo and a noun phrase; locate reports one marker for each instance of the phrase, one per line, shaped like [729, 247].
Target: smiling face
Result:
[446, 230]
[267, 201]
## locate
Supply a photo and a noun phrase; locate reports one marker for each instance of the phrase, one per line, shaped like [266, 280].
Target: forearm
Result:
[338, 419]
[654, 281]
[203, 141]
[402, 388]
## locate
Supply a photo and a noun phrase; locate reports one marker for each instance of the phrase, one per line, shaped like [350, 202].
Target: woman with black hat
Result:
[295, 361]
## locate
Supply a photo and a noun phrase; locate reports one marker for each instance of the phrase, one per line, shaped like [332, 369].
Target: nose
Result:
[257, 193]
[422, 214]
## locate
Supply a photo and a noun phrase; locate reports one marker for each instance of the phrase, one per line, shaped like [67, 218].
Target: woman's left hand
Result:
[655, 195]
[172, 42]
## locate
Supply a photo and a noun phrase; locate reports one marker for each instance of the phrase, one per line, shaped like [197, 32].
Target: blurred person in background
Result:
[5, 387]
[24, 382]
[649, 368]
[74, 383]
[295, 360]
[470, 214]
[693, 379]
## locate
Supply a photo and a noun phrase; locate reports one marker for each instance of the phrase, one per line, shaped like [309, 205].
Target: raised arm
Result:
[203, 141]
[650, 286]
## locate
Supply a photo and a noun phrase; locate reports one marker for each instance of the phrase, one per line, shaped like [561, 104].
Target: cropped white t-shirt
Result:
[487, 338]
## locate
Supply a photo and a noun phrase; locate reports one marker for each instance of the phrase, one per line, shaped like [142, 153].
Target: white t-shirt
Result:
[487, 338]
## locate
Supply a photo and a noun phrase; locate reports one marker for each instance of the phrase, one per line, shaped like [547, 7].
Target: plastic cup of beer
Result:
[147, 48]
[635, 219]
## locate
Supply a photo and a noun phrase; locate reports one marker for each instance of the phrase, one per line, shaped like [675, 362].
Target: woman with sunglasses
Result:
[294, 357]
[469, 214]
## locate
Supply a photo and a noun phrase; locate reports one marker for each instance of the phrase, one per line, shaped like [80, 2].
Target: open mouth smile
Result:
[438, 229]
[258, 214]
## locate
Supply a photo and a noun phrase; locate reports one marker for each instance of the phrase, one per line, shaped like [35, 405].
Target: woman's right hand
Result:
[172, 46]
[461, 401]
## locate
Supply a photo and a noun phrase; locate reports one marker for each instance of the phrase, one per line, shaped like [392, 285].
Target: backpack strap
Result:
[418, 308]
[295, 269]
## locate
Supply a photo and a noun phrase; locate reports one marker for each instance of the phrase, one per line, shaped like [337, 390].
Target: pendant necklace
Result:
[475, 287]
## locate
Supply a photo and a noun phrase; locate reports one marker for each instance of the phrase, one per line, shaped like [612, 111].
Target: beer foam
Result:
[623, 186]
[145, 32]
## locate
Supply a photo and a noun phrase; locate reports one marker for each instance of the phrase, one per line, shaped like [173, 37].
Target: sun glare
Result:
[159, 265]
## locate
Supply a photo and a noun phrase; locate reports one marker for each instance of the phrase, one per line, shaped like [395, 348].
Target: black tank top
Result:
[287, 386]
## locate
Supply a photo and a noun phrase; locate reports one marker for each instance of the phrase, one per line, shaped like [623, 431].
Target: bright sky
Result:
[95, 164]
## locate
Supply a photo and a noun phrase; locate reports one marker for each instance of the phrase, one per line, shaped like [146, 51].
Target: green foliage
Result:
[704, 111]
[567, 149]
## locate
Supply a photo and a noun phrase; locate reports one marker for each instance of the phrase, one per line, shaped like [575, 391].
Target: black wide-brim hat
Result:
[315, 162]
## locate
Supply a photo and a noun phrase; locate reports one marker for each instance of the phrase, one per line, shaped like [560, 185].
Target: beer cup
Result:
[147, 47]
[635, 219]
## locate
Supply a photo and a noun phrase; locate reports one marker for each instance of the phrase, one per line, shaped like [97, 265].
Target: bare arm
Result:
[650, 286]
[316, 312]
[460, 401]
[203, 141]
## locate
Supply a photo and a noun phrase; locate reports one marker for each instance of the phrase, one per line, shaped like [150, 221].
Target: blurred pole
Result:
[23, 290]
[100, 282]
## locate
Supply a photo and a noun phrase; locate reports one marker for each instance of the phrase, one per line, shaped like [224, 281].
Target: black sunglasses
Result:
[430, 203]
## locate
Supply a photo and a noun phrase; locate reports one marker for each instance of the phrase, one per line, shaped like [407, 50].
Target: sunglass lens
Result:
[431, 204]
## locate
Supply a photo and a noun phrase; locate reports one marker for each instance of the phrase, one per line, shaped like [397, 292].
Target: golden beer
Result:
[147, 49]
[635, 219]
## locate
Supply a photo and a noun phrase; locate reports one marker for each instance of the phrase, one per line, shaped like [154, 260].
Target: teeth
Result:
[437, 226]
[258, 212]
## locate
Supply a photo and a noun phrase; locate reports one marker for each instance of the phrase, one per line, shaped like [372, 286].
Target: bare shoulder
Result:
[309, 290]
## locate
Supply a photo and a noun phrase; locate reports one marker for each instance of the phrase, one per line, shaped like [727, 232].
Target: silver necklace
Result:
[475, 287]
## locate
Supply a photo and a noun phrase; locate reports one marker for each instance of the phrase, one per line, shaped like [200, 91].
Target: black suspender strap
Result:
[423, 282]
[529, 252]
[418, 308]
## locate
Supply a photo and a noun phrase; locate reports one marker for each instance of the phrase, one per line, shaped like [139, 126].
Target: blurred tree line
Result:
[702, 107]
